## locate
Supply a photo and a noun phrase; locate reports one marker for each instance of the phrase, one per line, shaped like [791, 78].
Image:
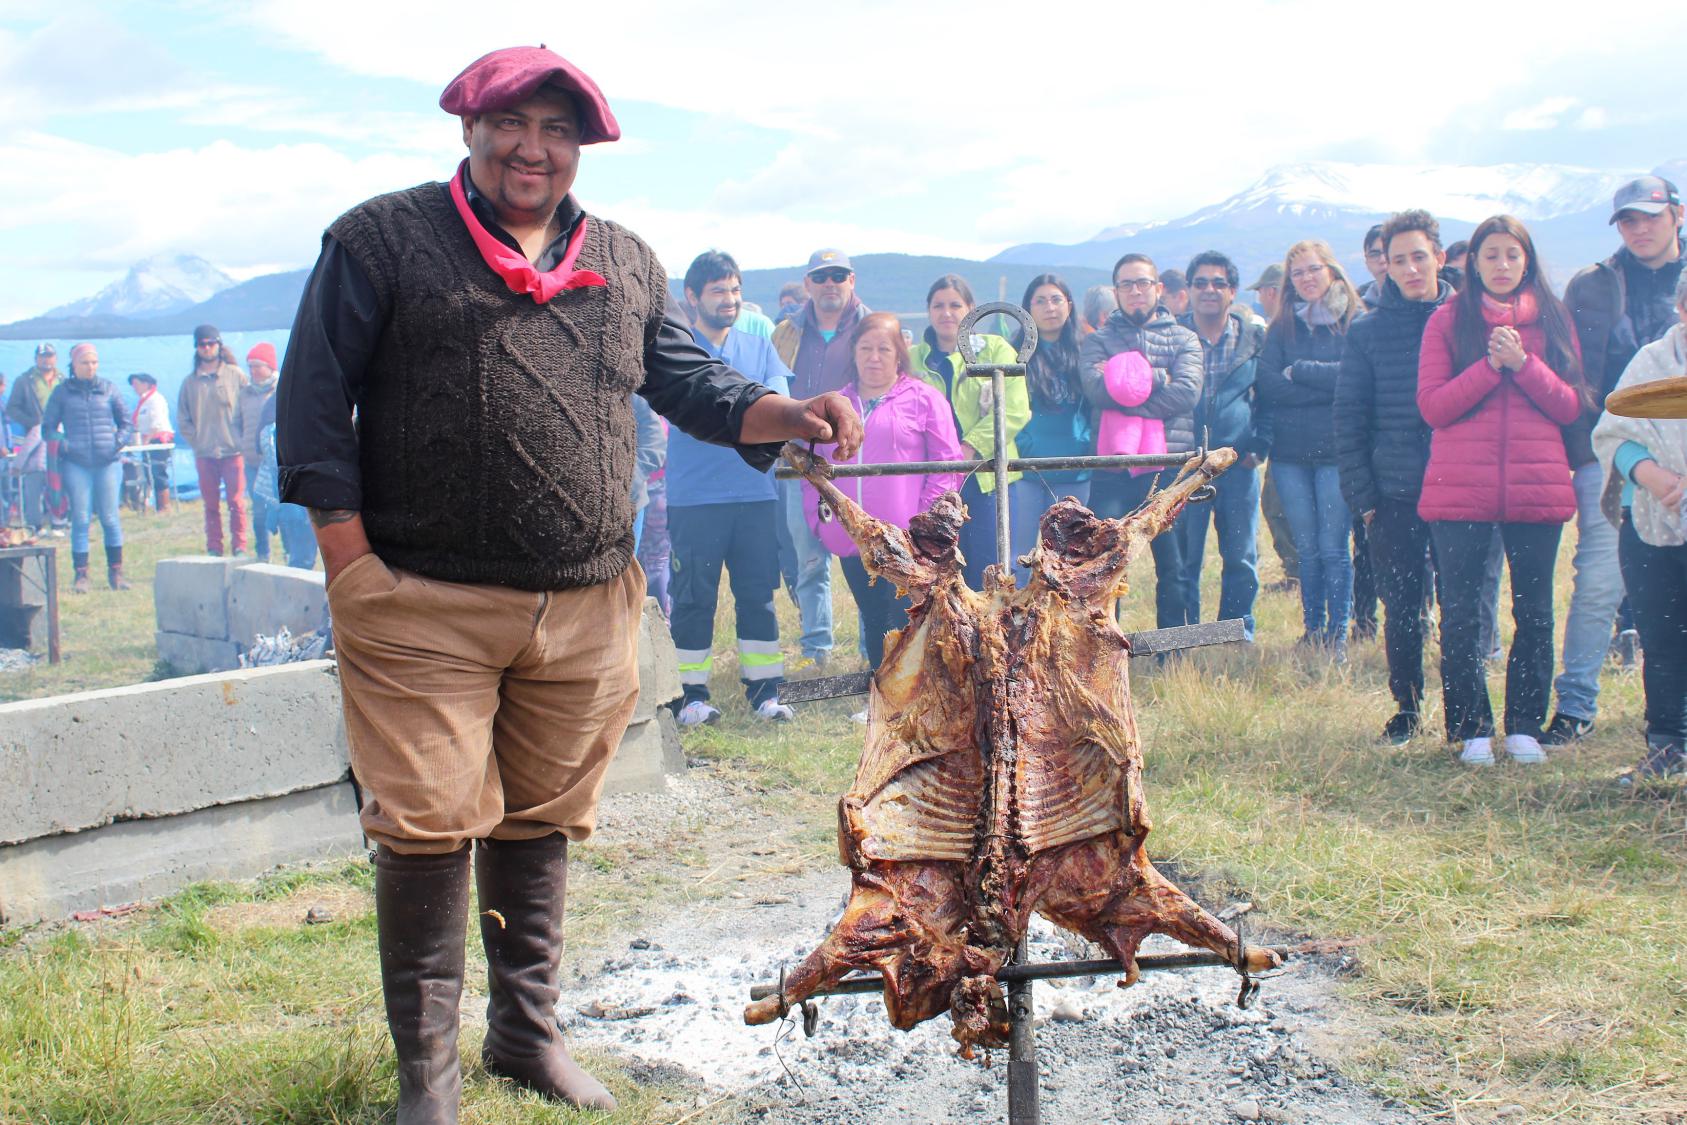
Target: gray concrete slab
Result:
[658, 663]
[264, 598]
[75, 762]
[649, 752]
[140, 859]
[190, 595]
[187, 655]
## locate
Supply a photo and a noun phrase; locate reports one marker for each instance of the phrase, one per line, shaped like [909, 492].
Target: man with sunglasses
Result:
[814, 344]
[1224, 415]
[207, 421]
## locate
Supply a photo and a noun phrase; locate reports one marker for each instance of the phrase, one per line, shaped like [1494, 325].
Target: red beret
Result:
[510, 76]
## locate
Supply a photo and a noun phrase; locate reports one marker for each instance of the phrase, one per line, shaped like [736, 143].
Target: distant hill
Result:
[887, 282]
[1566, 209]
[156, 286]
[261, 303]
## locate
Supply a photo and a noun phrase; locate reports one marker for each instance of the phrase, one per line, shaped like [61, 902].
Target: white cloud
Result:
[1093, 131]
[238, 206]
[1544, 114]
[1593, 117]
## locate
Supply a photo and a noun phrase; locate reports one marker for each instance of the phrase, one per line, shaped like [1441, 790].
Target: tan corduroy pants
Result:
[475, 711]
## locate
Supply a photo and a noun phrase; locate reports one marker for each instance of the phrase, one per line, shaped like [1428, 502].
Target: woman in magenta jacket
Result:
[1499, 375]
[905, 420]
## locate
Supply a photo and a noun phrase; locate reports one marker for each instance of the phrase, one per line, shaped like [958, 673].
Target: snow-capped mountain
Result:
[164, 283]
[1565, 206]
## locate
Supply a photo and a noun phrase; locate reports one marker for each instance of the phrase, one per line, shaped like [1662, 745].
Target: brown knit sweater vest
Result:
[496, 434]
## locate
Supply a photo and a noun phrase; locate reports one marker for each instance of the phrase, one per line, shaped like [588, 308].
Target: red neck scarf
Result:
[518, 273]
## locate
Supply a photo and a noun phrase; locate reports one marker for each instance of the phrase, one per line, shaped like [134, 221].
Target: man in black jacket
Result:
[1618, 306]
[476, 526]
[1382, 446]
[1142, 324]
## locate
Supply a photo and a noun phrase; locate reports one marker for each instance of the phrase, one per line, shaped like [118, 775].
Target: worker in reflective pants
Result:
[722, 512]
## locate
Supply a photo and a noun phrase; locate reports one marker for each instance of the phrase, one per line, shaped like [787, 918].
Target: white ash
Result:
[1173, 1047]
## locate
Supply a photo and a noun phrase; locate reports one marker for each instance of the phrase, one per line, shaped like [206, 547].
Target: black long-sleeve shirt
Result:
[339, 326]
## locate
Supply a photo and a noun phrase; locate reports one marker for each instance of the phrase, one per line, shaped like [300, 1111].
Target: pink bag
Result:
[1129, 381]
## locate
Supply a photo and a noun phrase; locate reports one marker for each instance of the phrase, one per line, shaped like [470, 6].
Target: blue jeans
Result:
[978, 534]
[1594, 599]
[1116, 494]
[1236, 512]
[93, 492]
[264, 522]
[1320, 523]
[298, 541]
[814, 573]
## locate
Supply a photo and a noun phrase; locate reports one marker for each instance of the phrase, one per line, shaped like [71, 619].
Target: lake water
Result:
[166, 358]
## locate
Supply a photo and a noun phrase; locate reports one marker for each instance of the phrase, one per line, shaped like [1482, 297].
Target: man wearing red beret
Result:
[475, 521]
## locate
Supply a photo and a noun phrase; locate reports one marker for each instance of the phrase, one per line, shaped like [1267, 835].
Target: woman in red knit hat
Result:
[1499, 374]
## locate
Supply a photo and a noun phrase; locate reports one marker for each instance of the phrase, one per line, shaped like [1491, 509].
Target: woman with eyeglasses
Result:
[937, 361]
[1059, 425]
[1295, 388]
[903, 420]
[1499, 376]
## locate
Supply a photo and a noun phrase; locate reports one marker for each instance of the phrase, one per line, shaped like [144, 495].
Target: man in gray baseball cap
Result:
[814, 345]
[1619, 306]
[1270, 289]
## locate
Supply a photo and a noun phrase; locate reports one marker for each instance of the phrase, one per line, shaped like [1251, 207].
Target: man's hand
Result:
[339, 532]
[825, 417]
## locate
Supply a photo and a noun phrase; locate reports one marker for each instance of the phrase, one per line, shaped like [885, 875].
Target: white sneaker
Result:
[859, 717]
[698, 712]
[774, 710]
[1478, 752]
[1525, 749]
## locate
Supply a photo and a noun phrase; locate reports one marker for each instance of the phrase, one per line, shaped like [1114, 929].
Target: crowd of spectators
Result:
[78, 449]
[1408, 441]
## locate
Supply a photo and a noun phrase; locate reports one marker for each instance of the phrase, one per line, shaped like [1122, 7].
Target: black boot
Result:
[421, 912]
[523, 885]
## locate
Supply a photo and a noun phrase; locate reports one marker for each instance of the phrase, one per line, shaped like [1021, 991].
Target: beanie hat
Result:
[263, 353]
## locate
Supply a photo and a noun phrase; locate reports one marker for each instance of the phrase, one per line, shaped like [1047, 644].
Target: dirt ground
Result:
[1175, 1048]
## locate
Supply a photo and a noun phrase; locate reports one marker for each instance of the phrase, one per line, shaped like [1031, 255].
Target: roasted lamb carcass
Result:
[1003, 771]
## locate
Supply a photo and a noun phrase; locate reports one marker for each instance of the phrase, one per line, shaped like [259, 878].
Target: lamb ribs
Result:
[1002, 773]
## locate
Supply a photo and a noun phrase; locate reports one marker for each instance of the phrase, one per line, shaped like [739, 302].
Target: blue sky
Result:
[238, 130]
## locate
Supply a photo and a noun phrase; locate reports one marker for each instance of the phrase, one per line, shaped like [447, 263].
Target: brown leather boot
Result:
[79, 584]
[114, 569]
[421, 915]
[526, 883]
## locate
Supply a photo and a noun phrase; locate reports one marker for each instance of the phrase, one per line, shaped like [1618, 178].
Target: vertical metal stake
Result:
[998, 408]
[1022, 1036]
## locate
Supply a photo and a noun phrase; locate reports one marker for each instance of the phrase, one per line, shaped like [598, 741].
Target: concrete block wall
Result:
[136, 792]
[210, 609]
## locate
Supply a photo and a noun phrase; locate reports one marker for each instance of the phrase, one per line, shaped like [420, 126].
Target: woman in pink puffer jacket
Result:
[904, 420]
[1499, 375]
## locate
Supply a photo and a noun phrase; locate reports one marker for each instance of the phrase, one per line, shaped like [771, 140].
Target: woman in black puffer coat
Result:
[96, 426]
[1295, 388]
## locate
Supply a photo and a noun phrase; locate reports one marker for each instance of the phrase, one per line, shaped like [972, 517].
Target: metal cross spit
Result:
[1018, 975]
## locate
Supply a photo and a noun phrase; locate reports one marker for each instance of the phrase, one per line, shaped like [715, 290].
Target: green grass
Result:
[106, 636]
[1519, 936]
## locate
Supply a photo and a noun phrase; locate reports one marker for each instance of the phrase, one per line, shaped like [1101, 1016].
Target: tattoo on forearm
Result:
[324, 517]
